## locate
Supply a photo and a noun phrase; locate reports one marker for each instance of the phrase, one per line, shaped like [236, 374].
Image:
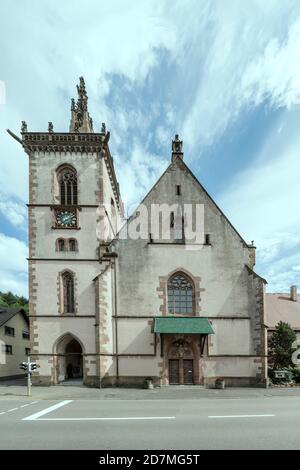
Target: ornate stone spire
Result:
[80, 118]
[177, 148]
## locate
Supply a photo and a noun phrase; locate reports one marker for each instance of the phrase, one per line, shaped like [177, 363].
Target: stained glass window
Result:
[180, 295]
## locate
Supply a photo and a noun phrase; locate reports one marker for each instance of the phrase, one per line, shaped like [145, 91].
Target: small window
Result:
[178, 190]
[207, 239]
[72, 244]
[25, 334]
[27, 351]
[61, 245]
[9, 331]
[8, 348]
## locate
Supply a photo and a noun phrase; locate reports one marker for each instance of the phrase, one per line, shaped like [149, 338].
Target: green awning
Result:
[186, 325]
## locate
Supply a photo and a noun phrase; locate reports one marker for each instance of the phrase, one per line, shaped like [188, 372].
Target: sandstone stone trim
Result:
[33, 181]
[55, 189]
[193, 342]
[102, 312]
[33, 326]
[162, 290]
[259, 332]
[56, 356]
[60, 294]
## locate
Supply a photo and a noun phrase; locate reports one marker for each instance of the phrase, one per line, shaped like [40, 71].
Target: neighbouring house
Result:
[283, 307]
[116, 309]
[14, 341]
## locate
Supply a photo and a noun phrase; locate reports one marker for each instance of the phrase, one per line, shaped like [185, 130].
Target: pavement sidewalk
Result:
[17, 389]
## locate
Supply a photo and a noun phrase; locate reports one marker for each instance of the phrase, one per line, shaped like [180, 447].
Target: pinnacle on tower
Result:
[80, 118]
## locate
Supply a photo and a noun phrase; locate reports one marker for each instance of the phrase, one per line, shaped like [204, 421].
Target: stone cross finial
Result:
[23, 127]
[50, 127]
[177, 146]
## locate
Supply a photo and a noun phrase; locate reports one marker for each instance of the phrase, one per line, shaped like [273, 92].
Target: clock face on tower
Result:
[66, 219]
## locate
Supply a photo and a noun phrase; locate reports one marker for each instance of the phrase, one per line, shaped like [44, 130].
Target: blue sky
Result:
[224, 74]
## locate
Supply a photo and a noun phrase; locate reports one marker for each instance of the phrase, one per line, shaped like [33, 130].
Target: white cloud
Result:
[14, 211]
[13, 265]
[139, 172]
[250, 54]
[263, 203]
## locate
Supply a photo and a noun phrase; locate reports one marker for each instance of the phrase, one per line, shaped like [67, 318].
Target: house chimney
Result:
[294, 293]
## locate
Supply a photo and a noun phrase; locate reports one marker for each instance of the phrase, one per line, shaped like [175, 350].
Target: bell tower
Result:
[70, 175]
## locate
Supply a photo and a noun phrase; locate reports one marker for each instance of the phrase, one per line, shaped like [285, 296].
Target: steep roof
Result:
[7, 313]
[280, 307]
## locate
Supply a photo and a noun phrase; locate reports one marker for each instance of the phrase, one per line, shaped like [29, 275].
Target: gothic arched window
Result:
[68, 293]
[180, 295]
[67, 179]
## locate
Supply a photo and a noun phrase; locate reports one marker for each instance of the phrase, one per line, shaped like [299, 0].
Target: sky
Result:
[223, 74]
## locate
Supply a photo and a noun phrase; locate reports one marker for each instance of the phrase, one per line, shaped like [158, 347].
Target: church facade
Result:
[117, 301]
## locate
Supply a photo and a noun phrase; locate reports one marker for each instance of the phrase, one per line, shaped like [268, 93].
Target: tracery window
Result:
[67, 179]
[180, 295]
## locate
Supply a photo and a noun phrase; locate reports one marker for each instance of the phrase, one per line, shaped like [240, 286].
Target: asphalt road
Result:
[270, 423]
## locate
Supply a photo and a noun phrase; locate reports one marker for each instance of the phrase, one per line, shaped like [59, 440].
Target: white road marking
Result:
[2, 413]
[242, 416]
[13, 409]
[23, 406]
[33, 402]
[106, 419]
[46, 410]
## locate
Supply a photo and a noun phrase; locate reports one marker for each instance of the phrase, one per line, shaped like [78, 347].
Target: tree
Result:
[8, 299]
[280, 346]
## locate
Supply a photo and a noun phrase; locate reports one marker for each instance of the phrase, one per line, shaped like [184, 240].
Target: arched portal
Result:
[181, 364]
[69, 363]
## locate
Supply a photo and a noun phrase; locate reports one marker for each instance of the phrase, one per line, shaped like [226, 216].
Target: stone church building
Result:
[115, 308]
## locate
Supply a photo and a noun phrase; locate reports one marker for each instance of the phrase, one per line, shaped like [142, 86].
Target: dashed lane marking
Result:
[17, 408]
[241, 416]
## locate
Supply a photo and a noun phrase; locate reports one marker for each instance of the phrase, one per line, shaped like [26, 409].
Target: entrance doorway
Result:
[69, 363]
[181, 364]
[73, 360]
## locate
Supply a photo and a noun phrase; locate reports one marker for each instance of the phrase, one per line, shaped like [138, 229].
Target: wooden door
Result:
[173, 371]
[188, 373]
